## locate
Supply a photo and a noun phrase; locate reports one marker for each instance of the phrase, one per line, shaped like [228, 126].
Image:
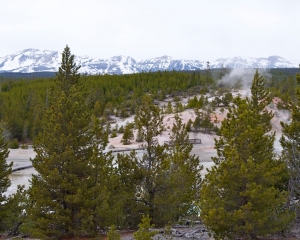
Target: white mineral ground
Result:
[205, 151]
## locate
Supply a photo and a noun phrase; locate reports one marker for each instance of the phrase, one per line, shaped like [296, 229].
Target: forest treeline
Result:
[23, 101]
[80, 190]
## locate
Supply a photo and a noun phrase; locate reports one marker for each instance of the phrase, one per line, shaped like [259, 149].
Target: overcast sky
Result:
[143, 29]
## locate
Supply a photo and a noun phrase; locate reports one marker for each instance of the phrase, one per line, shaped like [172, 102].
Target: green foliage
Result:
[189, 125]
[165, 180]
[283, 86]
[124, 112]
[282, 106]
[183, 179]
[24, 146]
[5, 171]
[203, 121]
[177, 99]
[22, 102]
[290, 142]
[227, 99]
[113, 134]
[244, 195]
[67, 75]
[195, 103]
[197, 123]
[144, 232]
[147, 171]
[260, 98]
[178, 107]
[128, 135]
[71, 193]
[113, 234]
[139, 136]
[121, 130]
[13, 144]
[169, 108]
[168, 229]
[97, 109]
[15, 212]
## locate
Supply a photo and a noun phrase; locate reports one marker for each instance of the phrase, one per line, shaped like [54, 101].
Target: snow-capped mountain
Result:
[30, 60]
[34, 60]
[169, 64]
[238, 62]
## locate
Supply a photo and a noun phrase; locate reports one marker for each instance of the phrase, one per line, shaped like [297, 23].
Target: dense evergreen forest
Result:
[22, 101]
[81, 191]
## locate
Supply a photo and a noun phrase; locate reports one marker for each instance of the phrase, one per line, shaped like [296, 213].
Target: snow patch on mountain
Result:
[34, 60]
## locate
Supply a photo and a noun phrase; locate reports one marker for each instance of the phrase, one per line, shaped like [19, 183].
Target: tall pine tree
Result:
[290, 142]
[243, 196]
[5, 170]
[70, 194]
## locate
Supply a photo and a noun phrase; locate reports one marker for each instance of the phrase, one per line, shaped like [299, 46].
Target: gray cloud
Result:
[192, 29]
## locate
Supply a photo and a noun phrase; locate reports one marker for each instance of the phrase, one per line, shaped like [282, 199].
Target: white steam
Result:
[242, 78]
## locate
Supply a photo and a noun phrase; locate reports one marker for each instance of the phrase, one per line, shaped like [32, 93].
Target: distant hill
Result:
[20, 75]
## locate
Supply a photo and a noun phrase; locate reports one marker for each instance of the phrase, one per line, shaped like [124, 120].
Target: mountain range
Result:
[34, 60]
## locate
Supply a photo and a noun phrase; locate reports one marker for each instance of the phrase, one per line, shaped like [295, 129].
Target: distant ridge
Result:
[21, 75]
[34, 60]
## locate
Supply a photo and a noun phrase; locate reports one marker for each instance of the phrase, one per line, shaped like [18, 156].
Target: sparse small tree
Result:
[169, 108]
[197, 121]
[113, 234]
[144, 232]
[139, 136]
[127, 135]
[189, 125]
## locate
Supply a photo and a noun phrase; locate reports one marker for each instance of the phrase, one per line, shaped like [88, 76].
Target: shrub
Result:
[113, 134]
[13, 144]
[177, 99]
[113, 234]
[24, 146]
[144, 232]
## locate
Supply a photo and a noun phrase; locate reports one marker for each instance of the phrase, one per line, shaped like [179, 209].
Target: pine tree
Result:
[144, 232]
[165, 180]
[15, 214]
[169, 108]
[189, 125]
[198, 119]
[183, 179]
[260, 98]
[113, 234]
[290, 142]
[243, 196]
[67, 75]
[5, 171]
[97, 109]
[127, 135]
[149, 170]
[70, 193]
